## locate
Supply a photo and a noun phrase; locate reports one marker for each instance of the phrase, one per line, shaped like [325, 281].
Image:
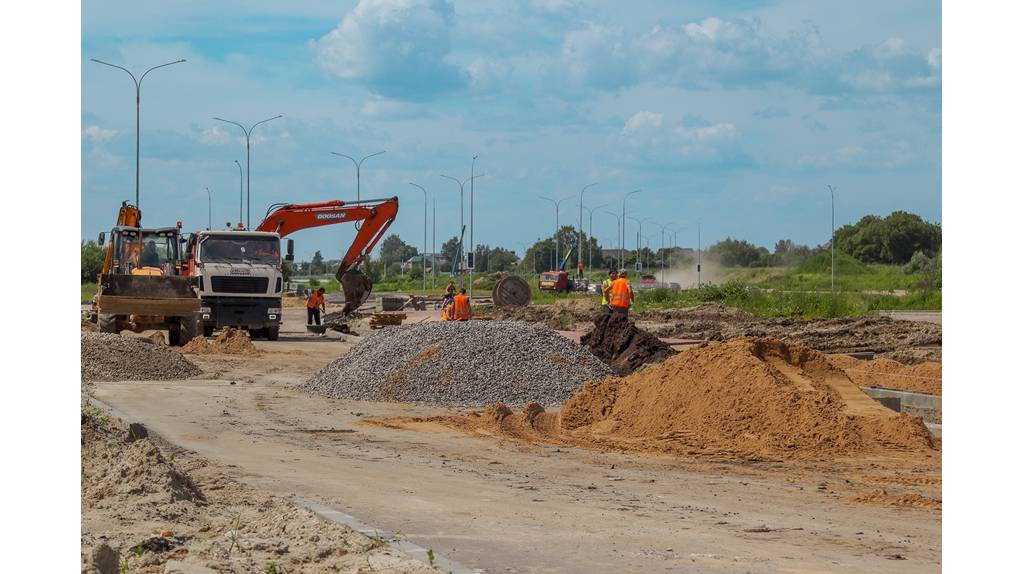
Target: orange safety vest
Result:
[621, 296]
[462, 312]
[314, 300]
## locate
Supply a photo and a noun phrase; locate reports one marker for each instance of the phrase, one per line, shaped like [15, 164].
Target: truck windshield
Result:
[216, 249]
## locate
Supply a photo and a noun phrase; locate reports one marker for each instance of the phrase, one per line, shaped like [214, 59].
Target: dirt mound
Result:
[158, 512]
[565, 314]
[460, 363]
[109, 357]
[230, 341]
[90, 327]
[747, 399]
[909, 500]
[889, 374]
[616, 341]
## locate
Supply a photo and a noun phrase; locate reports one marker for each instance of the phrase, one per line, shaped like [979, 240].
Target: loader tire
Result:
[273, 332]
[107, 323]
[188, 329]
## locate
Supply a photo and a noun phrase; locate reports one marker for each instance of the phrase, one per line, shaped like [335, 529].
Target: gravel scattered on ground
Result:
[472, 363]
[109, 357]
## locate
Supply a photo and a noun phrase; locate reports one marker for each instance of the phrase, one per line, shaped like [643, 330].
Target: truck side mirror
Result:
[291, 251]
[102, 237]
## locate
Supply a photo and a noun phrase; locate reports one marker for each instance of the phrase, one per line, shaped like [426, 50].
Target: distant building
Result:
[432, 258]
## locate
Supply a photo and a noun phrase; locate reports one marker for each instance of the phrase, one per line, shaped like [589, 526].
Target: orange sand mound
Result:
[920, 378]
[230, 341]
[883, 498]
[751, 399]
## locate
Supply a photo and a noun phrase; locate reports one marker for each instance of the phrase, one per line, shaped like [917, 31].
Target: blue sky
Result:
[737, 113]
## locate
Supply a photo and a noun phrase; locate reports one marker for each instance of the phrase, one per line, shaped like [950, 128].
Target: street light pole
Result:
[832, 193]
[472, 246]
[209, 207]
[618, 233]
[138, 105]
[240, 179]
[622, 240]
[433, 244]
[579, 249]
[423, 256]
[248, 171]
[462, 211]
[558, 206]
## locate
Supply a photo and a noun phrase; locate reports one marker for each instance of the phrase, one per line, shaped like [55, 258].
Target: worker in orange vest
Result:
[461, 311]
[621, 296]
[314, 303]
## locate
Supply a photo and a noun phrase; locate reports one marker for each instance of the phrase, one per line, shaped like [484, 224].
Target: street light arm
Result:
[160, 66]
[369, 156]
[350, 158]
[264, 121]
[461, 183]
[245, 131]
[119, 68]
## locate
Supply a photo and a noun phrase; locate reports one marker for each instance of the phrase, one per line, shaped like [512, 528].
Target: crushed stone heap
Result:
[454, 363]
[109, 357]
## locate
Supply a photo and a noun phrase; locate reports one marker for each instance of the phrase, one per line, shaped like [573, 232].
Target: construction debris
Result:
[109, 357]
[616, 341]
[745, 399]
[381, 320]
[230, 341]
[472, 363]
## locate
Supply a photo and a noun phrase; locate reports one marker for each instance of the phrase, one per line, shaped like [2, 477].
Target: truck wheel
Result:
[208, 330]
[188, 329]
[272, 332]
[107, 323]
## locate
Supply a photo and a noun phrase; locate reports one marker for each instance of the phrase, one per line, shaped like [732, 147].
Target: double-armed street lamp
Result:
[248, 172]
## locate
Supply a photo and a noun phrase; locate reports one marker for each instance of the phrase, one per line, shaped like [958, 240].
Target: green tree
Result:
[316, 266]
[394, 250]
[450, 249]
[892, 240]
[738, 253]
[92, 261]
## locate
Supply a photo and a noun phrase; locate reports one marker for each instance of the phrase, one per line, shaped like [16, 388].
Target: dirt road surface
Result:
[505, 507]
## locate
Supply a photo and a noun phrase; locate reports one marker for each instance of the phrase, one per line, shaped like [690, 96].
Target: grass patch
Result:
[88, 291]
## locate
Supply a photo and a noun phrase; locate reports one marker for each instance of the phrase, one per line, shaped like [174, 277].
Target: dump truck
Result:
[142, 284]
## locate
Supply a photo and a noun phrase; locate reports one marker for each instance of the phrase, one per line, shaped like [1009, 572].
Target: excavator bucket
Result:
[357, 288]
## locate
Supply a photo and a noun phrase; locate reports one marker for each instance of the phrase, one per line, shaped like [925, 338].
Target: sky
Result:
[734, 113]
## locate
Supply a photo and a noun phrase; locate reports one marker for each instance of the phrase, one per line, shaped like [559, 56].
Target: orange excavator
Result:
[376, 216]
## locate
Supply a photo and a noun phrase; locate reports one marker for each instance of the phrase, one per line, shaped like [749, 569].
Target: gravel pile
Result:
[109, 357]
[470, 363]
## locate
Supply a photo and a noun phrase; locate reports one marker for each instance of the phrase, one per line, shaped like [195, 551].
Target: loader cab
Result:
[137, 251]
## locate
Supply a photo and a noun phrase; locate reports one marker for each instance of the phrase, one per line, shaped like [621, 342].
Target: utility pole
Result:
[138, 105]
[579, 245]
[433, 244]
[472, 245]
[240, 180]
[832, 193]
[622, 240]
[423, 255]
[698, 253]
[209, 205]
[618, 234]
[248, 172]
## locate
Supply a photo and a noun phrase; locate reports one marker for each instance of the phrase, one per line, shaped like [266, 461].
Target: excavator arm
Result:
[376, 216]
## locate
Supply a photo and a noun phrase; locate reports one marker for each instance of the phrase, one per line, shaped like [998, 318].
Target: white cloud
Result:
[214, 136]
[716, 132]
[97, 134]
[642, 121]
[397, 48]
[597, 55]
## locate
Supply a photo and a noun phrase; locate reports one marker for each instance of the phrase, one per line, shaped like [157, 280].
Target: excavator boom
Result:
[376, 216]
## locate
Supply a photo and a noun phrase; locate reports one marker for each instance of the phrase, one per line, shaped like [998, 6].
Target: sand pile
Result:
[750, 399]
[230, 341]
[472, 363]
[109, 357]
[616, 341]
[885, 373]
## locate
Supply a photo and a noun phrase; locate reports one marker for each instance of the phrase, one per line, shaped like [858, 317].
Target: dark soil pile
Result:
[616, 340]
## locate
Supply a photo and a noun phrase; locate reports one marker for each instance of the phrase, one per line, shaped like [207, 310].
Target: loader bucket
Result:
[146, 295]
[357, 288]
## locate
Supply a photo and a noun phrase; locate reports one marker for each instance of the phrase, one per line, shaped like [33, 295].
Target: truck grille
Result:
[222, 284]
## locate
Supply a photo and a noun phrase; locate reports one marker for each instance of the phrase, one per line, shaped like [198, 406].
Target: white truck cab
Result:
[239, 277]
